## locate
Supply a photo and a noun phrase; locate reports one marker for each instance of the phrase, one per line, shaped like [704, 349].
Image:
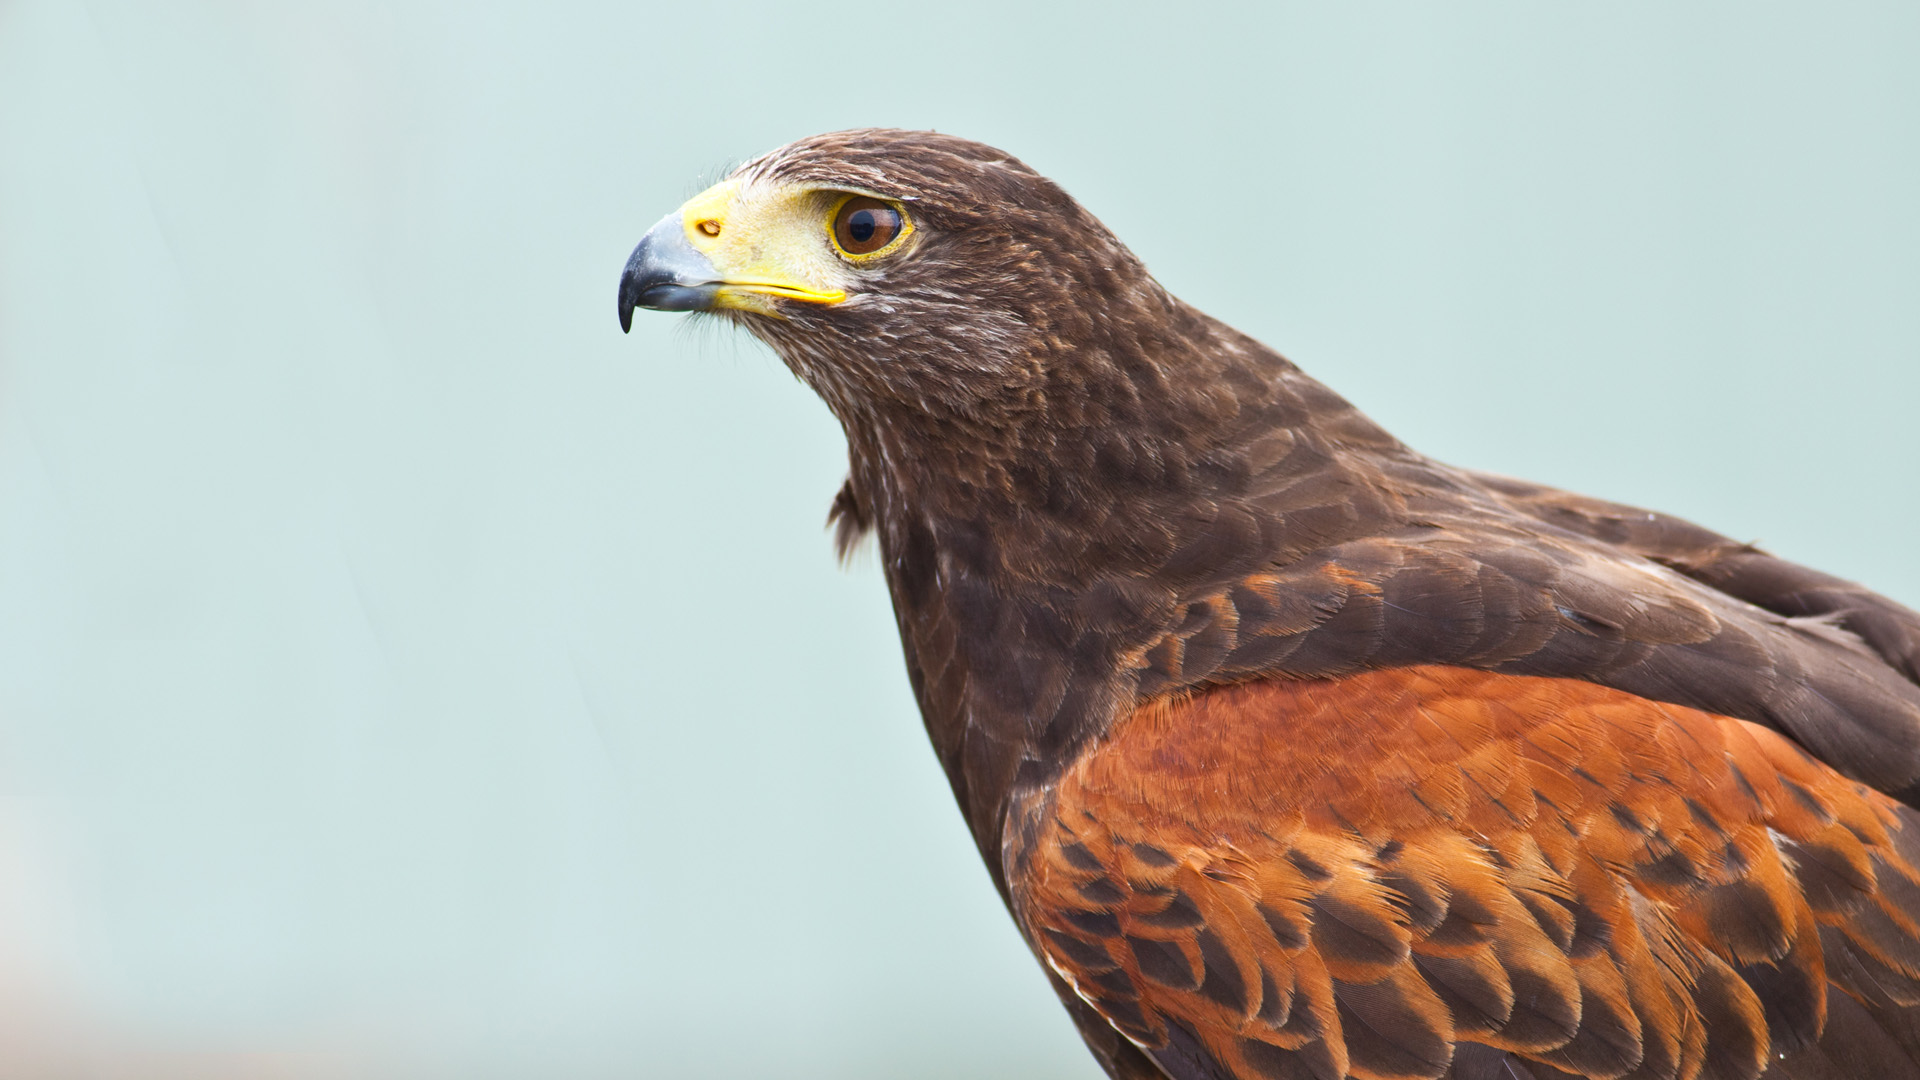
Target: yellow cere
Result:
[765, 241]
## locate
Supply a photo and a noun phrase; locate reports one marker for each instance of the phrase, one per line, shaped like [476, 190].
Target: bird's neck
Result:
[1033, 553]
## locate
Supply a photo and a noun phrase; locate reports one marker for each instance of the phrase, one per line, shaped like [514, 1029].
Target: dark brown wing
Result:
[1444, 570]
[1742, 571]
[1436, 871]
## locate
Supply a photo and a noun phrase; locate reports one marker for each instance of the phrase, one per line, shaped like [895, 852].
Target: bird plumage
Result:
[1294, 752]
[1330, 877]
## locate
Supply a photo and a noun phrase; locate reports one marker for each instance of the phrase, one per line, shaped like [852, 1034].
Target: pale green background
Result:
[404, 674]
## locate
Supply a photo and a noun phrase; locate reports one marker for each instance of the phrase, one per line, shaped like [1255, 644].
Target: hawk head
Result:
[892, 268]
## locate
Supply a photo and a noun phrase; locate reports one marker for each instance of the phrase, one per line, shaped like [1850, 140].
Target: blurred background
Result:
[403, 674]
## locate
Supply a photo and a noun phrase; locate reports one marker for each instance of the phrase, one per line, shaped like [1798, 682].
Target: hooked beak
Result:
[665, 273]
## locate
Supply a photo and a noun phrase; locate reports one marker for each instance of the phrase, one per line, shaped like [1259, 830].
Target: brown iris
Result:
[865, 225]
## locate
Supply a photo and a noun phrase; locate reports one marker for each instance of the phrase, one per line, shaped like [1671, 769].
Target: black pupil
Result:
[861, 225]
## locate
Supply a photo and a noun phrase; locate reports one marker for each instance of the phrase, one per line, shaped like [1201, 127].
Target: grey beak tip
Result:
[665, 273]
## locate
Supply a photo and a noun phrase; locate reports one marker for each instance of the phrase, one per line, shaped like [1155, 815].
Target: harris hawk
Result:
[1295, 753]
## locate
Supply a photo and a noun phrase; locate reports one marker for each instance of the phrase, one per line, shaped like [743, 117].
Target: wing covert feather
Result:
[1432, 871]
[1890, 630]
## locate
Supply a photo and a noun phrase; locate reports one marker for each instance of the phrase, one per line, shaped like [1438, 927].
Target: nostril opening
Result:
[708, 227]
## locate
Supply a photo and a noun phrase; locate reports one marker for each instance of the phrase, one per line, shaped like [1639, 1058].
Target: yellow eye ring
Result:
[862, 227]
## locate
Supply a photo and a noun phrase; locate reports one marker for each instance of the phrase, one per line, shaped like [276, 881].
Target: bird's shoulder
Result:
[1384, 561]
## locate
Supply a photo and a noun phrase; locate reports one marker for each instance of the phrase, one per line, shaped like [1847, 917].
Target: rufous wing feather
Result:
[1433, 871]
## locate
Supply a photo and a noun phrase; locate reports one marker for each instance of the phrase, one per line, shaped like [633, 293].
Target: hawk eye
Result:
[864, 225]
